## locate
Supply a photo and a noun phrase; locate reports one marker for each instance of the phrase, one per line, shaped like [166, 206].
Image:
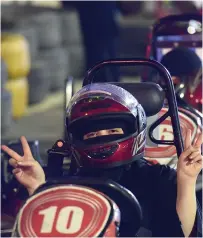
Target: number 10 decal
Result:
[64, 211]
[67, 221]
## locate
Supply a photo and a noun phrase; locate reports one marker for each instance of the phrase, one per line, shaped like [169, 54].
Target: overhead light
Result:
[191, 30]
[195, 24]
[181, 95]
[182, 85]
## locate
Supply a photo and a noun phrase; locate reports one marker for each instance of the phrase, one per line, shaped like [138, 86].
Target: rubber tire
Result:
[4, 73]
[6, 111]
[59, 66]
[48, 25]
[57, 55]
[39, 82]
[77, 60]
[57, 77]
[71, 30]
[30, 34]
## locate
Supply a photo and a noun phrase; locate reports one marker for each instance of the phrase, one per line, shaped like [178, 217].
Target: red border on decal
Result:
[186, 122]
[95, 206]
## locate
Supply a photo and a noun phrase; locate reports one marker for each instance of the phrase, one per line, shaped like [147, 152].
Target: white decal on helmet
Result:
[139, 142]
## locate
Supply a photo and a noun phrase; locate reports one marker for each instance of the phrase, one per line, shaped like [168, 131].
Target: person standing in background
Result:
[100, 34]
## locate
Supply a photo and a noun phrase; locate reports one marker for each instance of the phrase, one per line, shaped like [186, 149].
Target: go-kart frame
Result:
[169, 95]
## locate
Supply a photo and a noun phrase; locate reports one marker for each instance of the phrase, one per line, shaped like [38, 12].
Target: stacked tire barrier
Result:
[57, 60]
[55, 46]
[50, 48]
[4, 73]
[36, 34]
[31, 35]
[6, 111]
[77, 60]
[19, 90]
[15, 54]
[6, 101]
[48, 27]
[39, 83]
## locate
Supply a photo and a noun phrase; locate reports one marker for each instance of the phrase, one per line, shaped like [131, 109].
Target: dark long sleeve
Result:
[165, 220]
[97, 19]
[155, 187]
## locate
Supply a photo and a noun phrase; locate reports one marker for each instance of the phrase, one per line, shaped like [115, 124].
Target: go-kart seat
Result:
[131, 213]
[150, 95]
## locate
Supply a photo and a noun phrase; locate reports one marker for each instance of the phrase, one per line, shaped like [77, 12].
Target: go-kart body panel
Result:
[77, 207]
[166, 154]
[85, 210]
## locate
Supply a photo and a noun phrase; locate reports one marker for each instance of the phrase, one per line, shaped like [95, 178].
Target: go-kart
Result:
[180, 30]
[57, 184]
[166, 34]
[77, 207]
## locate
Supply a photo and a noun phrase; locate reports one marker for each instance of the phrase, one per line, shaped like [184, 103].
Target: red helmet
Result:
[105, 106]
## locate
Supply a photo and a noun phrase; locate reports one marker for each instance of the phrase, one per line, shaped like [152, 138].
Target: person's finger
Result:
[26, 147]
[187, 152]
[188, 139]
[199, 141]
[197, 163]
[11, 152]
[28, 163]
[194, 154]
[197, 159]
[16, 170]
[13, 162]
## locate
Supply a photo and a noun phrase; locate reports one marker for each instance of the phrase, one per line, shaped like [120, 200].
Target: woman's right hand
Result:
[27, 170]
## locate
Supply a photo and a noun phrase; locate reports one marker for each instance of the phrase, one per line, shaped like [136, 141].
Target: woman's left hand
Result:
[190, 161]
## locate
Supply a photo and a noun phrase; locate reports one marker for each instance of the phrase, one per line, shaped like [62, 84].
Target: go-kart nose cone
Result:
[68, 211]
